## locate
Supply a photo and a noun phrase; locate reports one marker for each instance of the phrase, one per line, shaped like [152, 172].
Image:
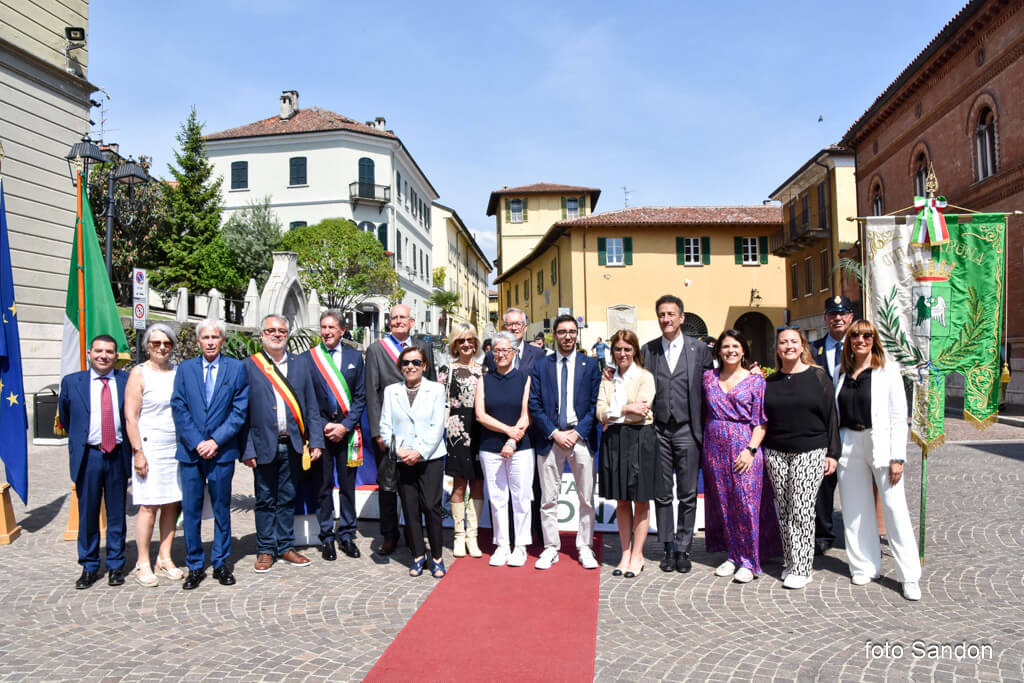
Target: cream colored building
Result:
[44, 90]
[816, 201]
[524, 214]
[608, 269]
[466, 268]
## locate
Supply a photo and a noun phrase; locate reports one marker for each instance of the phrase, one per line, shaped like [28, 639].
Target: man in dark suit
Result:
[828, 353]
[563, 424]
[91, 410]
[677, 362]
[283, 415]
[382, 370]
[337, 371]
[209, 405]
[516, 322]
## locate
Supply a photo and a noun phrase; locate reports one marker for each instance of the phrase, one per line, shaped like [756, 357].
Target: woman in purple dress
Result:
[739, 510]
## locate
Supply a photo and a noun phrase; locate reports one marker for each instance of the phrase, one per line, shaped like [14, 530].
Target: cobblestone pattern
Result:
[697, 626]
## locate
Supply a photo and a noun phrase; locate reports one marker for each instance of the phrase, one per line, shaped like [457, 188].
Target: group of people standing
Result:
[509, 425]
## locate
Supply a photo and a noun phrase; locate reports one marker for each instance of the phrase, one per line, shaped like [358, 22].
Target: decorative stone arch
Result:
[877, 183]
[283, 292]
[984, 100]
[920, 149]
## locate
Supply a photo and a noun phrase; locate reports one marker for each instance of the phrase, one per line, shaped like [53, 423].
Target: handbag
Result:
[387, 469]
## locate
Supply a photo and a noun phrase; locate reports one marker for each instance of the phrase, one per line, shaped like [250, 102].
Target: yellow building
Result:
[524, 214]
[816, 202]
[608, 269]
[466, 268]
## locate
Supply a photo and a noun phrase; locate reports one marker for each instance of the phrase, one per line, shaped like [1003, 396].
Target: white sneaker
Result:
[743, 575]
[727, 568]
[587, 558]
[861, 579]
[500, 556]
[546, 559]
[785, 573]
[796, 582]
[911, 590]
[518, 557]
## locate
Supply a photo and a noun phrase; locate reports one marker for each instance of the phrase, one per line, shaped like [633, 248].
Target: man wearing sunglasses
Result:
[382, 370]
[827, 353]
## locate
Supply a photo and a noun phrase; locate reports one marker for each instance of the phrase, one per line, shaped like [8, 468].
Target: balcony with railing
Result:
[794, 236]
[368, 193]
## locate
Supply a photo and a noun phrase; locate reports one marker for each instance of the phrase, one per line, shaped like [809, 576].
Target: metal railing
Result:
[368, 192]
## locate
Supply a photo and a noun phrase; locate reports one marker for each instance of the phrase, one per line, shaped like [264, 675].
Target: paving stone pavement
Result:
[333, 620]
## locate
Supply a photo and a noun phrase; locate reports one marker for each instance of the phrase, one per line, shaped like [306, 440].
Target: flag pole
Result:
[924, 497]
[80, 267]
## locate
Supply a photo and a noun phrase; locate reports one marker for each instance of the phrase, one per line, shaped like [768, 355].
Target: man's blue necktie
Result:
[209, 383]
[563, 397]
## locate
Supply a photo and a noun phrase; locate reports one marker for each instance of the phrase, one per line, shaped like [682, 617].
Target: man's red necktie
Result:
[108, 436]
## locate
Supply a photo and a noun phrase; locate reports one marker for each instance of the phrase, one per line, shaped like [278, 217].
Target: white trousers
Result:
[507, 478]
[863, 548]
[549, 469]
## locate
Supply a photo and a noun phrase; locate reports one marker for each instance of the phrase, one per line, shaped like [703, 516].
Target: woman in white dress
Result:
[150, 427]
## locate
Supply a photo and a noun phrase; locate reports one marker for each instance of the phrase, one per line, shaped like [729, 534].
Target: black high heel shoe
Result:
[630, 574]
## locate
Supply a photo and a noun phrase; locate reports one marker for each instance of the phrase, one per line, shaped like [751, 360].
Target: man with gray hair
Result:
[209, 405]
[516, 322]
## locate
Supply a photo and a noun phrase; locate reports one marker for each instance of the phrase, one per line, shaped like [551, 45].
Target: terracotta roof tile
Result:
[681, 215]
[309, 120]
[540, 188]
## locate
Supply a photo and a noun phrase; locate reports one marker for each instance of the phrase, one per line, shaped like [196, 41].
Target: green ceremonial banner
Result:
[939, 309]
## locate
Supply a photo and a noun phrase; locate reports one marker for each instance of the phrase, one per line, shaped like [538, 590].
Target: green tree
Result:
[445, 300]
[139, 225]
[193, 214]
[345, 265]
[251, 235]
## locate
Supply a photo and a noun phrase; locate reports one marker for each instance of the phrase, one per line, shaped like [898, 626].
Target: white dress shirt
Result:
[619, 398]
[672, 350]
[570, 417]
[830, 355]
[95, 407]
[282, 418]
[216, 366]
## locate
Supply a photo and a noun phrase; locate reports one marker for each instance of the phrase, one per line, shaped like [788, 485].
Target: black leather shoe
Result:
[87, 579]
[668, 563]
[349, 547]
[194, 578]
[224, 574]
[327, 551]
[683, 564]
[115, 577]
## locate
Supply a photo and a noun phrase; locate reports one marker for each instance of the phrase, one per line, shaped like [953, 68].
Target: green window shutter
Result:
[508, 210]
[627, 250]
[737, 247]
[680, 248]
[524, 209]
[705, 251]
[526, 289]
[762, 248]
[540, 281]
[554, 271]
[565, 213]
[583, 205]
[602, 246]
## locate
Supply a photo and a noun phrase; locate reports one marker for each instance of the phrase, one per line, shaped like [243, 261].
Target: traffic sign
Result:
[140, 314]
[140, 282]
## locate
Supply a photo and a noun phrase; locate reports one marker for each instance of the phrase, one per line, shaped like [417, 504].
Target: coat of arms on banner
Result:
[938, 305]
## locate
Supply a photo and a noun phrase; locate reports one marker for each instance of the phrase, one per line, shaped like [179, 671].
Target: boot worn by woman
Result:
[459, 521]
[473, 510]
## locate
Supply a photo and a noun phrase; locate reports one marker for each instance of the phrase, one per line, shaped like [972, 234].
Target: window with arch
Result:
[985, 144]
[877, 203]
[920, 174]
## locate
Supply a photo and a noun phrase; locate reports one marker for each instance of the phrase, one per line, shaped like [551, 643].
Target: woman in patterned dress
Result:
[463, 461]
[739, 512]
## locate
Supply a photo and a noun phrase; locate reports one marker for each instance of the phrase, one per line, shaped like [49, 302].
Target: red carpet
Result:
[500, 623]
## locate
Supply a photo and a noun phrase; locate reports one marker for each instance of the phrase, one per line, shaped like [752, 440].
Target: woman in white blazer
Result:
[412, 425]
[872, 409]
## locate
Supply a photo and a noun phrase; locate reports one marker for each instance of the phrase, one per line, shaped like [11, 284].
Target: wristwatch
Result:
[752, 449]
[896, 460]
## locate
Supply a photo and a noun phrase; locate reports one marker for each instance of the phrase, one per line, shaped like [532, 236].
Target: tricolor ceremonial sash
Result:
[392, 346]
[339, 387]
[284, 389]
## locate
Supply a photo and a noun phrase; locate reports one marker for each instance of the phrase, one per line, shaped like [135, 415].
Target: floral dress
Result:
[461, 434]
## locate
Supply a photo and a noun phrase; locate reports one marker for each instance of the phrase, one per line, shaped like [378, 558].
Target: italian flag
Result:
[89, 309]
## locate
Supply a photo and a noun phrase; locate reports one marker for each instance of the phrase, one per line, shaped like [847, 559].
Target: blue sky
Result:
[684, 103]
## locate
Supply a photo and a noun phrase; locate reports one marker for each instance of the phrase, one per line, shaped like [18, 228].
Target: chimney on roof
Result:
[289, 104]
[379, 123]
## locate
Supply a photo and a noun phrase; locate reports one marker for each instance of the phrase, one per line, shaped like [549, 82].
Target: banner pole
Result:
[924, 497]
[80, 275]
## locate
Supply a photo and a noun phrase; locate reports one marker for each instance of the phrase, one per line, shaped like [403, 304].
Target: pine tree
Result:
[193, 214]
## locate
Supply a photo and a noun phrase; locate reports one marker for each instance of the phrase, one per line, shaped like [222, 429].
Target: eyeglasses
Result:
[623, 349]
[842, 312]
[467, 340]
[566, 333]
[783, 328]
[866, 336]
[516, 325]
[275, 330]
[502, 352]
[161, 344]
[415, 362]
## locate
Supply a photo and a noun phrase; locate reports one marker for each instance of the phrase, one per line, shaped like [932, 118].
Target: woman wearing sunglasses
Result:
[872, 409]
[412, 424]
[463, 440]
[156, 487]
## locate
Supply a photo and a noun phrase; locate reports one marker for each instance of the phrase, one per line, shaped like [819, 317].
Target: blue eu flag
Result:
[13, 416]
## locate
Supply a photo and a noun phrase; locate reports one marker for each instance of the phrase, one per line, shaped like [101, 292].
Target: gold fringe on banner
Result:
[981, 425]
[928, 445]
